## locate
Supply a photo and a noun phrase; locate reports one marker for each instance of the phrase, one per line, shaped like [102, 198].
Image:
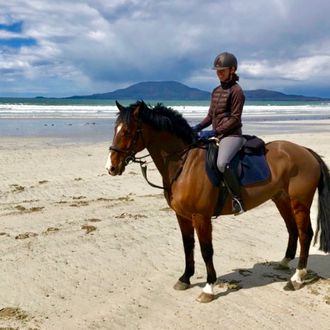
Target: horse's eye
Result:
[125, 132]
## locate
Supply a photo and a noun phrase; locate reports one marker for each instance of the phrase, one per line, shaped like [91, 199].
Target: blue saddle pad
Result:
[251, 169]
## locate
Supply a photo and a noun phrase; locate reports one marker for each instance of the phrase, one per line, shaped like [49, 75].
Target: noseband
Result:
[130, 150]
[131, 155]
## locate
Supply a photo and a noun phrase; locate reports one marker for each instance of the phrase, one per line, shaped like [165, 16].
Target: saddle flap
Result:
[211, 168]
[250, 163]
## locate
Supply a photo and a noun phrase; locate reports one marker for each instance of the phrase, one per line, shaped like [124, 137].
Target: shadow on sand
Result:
[265, 273]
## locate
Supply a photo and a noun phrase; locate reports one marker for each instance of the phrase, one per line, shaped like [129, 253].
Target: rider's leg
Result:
[228, 147]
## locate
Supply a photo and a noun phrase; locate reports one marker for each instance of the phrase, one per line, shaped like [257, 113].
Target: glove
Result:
[207, 134]
[197, 128]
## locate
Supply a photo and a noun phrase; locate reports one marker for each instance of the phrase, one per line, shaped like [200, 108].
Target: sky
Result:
[78, 47]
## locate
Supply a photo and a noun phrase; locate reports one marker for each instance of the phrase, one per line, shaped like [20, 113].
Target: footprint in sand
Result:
[51, 230]
[78, 197]
[16, 315]
[94, 220]
[26, 235]
[23, 209]
[88, 228]
[13, 313]
[79, 203]
[130, 216]
[16, 188]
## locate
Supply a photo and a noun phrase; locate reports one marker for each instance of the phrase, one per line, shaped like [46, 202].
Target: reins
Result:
[143, 165]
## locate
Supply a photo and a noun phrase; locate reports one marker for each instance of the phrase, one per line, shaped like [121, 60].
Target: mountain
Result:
[268, 95]
[173, 90]
[156, 90]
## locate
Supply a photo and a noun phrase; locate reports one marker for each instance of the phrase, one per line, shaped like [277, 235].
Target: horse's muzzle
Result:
[116, 170]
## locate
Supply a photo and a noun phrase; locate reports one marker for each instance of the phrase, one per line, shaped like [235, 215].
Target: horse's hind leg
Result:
[284, 206]
[187, 232]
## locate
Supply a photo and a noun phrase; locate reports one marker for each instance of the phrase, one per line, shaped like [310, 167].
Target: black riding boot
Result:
[234, 188]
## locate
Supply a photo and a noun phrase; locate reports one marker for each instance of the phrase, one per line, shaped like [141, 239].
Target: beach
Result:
[83, 250]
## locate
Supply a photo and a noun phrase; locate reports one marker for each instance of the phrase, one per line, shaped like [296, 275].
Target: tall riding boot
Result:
[234, 188]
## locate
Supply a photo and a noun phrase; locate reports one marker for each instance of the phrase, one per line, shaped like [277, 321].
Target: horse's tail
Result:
[323, 218]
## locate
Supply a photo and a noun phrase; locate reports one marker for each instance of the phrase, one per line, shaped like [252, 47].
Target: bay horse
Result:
[296, 173]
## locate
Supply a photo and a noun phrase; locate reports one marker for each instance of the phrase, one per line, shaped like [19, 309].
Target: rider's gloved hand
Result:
[197, 128]
[207, 134]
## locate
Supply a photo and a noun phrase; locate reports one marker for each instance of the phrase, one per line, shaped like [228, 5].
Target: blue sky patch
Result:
[16, 27]
[18, 42]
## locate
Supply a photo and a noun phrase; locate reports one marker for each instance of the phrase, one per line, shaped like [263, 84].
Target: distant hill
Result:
[157, 90]
[268, 95]
[173, 90]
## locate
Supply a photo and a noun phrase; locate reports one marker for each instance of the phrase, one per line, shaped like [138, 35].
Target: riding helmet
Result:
[225, 60]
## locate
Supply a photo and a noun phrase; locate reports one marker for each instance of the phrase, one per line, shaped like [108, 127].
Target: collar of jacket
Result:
[227, 84]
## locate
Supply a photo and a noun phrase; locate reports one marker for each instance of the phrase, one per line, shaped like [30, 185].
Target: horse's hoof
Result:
[205, 297]
[297, 285]
[180, 286]
[281, 266]
[293, 286]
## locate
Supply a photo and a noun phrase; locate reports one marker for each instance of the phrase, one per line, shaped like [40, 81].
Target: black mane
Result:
[161, 118]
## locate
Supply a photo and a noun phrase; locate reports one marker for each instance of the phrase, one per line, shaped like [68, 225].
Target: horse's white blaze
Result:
[108, 164]
[208, 288]
[119, 127]
[299, 275]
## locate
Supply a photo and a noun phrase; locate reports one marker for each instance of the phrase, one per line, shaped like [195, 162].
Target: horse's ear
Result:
[136, 111]
[119, 106]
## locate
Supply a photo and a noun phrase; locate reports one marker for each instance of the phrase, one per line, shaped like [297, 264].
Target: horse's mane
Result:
[161, 118]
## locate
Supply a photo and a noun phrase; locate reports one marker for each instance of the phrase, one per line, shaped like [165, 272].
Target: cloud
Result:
[88, 46]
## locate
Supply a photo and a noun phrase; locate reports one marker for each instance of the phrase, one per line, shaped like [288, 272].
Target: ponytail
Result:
[234, 77]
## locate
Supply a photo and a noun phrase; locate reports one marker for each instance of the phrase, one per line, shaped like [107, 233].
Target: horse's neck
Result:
[165, 150]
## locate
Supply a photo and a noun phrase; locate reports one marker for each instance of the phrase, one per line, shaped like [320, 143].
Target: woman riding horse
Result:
[225, 114]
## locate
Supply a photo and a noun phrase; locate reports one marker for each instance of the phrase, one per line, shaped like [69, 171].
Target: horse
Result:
[296, 173]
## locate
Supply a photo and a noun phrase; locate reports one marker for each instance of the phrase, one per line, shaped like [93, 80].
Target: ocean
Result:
[93, 120]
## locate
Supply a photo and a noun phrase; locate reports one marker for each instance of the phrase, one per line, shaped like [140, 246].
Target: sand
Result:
[83, 250]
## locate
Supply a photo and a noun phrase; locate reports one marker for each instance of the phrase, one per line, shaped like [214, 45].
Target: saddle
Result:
[249, 163]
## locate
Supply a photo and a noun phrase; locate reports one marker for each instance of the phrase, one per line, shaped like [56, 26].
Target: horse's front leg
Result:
[203, 227]
[187, 231]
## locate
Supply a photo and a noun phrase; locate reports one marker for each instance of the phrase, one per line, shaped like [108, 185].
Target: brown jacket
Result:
[225, 111]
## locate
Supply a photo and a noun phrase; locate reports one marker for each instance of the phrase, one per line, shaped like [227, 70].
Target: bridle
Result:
[130, 151]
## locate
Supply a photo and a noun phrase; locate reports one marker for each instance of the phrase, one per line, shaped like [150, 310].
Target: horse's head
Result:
[127, 139]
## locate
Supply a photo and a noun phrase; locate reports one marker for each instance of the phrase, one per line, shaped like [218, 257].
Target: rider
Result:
[225, 116]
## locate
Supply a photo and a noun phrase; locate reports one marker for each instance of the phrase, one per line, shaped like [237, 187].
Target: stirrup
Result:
[237, 206]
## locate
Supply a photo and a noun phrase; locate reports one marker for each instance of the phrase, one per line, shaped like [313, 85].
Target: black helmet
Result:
[225, 60]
